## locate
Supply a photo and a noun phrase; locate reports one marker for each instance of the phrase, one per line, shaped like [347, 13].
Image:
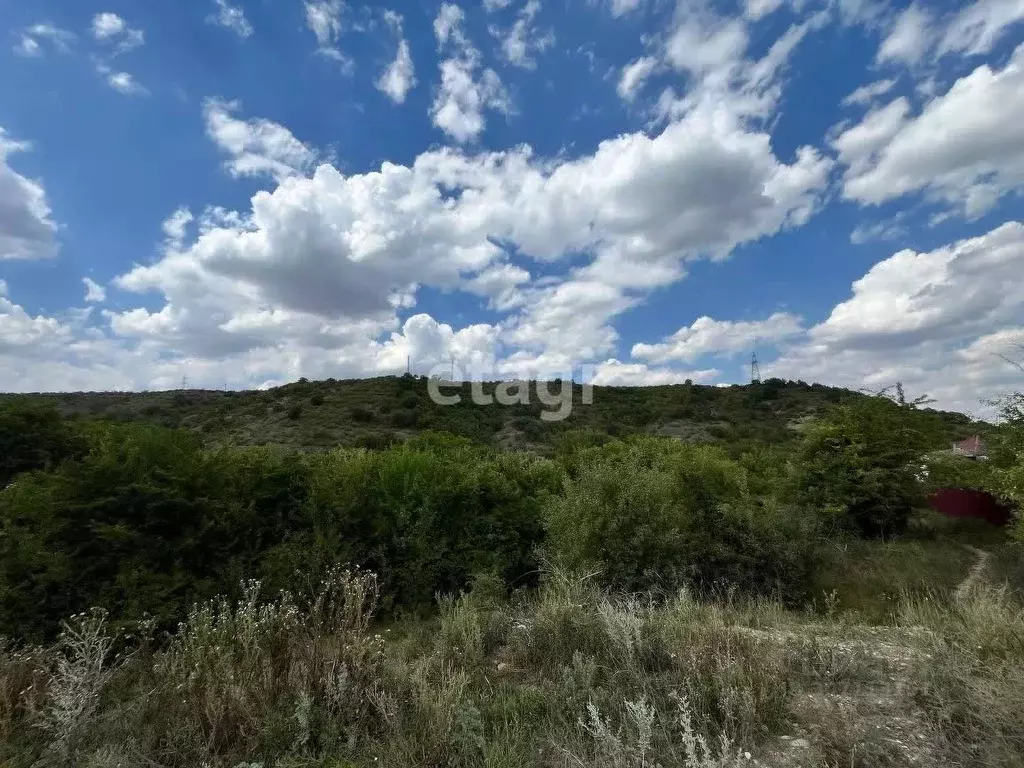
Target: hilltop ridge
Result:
[374, 412]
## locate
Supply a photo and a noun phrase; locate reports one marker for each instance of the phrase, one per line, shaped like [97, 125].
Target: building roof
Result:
[972, 446]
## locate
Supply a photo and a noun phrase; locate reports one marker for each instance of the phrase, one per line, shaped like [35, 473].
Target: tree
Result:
[653, 513]
[1008, 455]
[33, 436]
[1008, 458]
[860, 465]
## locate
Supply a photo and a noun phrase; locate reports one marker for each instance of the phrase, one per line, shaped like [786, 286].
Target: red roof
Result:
[973, 445]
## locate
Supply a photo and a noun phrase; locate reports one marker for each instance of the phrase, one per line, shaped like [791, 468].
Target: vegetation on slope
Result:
[610, 601]
[375, 412]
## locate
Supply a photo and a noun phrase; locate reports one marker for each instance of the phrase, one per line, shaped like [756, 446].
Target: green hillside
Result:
[314, 415]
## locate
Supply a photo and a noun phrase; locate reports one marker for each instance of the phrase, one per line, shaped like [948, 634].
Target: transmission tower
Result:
[755, 370]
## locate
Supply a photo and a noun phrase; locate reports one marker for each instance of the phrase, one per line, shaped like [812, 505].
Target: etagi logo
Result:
[557, 395]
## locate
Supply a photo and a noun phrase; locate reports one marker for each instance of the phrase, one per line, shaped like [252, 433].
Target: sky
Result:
[240, 193]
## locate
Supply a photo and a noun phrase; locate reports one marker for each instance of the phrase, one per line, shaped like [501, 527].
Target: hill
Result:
[311, 415]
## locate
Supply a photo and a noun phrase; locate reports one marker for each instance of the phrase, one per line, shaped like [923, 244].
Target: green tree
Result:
[654, 513]
[33, 436]
[1008, 456]
[860, 466]
[147, 521]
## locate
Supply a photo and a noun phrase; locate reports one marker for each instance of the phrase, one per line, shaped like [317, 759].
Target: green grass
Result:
[563, 676]
[870, 578]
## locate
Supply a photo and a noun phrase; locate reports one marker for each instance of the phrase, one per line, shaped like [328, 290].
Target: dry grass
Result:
[973, 687]
[565, 676]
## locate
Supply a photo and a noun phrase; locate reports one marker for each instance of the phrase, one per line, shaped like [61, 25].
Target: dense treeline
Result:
[146, 520]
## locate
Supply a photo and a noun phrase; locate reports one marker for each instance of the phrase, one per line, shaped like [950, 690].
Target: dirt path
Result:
[856, 706]
[975, 576]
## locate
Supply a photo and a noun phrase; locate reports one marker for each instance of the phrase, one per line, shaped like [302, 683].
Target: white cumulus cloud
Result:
[911, 36]
[523, 41]
[935, 320]
[111, 29]
[465, 93]
[256, 147]
[964, 149]
[27, 230]
[634, 75]
[707, 336]
[94, 292]
[30, 40]
[400, 76]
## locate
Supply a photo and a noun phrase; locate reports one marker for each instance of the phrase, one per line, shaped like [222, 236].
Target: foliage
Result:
[149, 521]
[860, 466]
[356, 411]
[656, 513]
[146, 522]
[33, 436]
[1008, 461]
[947, 470]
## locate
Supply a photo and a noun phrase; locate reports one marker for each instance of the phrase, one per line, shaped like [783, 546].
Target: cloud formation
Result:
[27, 230]
[256, 147]
[963, 149]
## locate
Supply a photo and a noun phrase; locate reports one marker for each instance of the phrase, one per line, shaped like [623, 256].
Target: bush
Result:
[146, 522]
[360, 414]
[426, 515]
[1008, 461]
[405, 418]
[33, 436]
[233, 668]
[375, 441]
[295, 412]
[658, 514]
[316, 399]
[859, 466]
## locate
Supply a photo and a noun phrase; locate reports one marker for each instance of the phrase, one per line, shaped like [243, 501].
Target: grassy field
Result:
[567, 675]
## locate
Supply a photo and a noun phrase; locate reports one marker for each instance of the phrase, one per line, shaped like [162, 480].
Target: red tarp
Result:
[958, 502]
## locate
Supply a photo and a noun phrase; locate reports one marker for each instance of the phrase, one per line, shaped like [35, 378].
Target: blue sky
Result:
[249, 191]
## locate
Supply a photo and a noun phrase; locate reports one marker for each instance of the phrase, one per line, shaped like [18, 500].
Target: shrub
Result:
[1008, 461]
[631, 743]
[33, 436]
[82, 670]
[375, 441]
[146, 522]
[652, 514]
[405, 418]
[295, 412]
[233, 668]
[316, 399]
[360, 414]
[860, 465]
[427, 515]
[950, 471]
